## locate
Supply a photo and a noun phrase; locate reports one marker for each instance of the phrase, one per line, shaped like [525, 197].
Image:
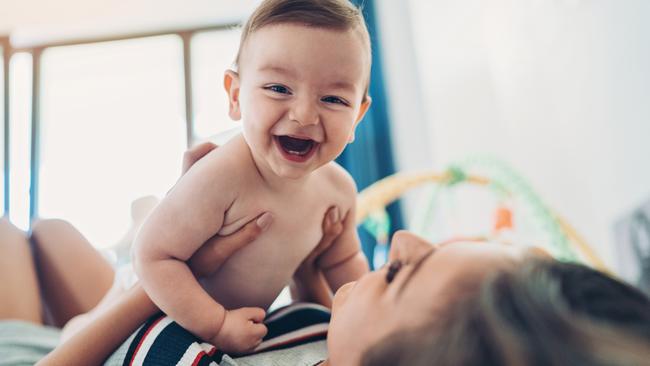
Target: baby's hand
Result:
[242, 330]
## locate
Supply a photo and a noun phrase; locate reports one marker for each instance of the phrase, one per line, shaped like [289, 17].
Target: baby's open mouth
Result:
[296, 146]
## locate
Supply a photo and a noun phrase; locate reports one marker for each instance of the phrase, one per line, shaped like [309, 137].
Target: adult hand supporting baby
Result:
[218, 249]
[309, 282]
[194, 154]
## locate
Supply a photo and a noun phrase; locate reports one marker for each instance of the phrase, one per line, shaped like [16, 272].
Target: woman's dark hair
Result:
[543, 313]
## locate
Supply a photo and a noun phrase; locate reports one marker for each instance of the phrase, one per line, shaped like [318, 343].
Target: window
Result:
[2, 130]
[212, 53]
[20, 117]
[112, 130]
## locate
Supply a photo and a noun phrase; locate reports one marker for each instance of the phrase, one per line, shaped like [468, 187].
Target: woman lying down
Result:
[459, 304]
[462, 303]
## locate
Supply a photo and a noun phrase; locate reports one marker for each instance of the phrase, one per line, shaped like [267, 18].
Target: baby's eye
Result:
[394, 267]
[334, 100]
[278, 89]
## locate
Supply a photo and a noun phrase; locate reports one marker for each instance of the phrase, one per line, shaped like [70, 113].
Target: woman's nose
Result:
[304, 112]
[341, 295]
[407, 246]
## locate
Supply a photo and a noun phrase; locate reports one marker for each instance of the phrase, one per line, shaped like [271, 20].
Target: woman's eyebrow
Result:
[416, 267]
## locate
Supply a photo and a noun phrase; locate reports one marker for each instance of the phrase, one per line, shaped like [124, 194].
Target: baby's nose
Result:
[305, 113]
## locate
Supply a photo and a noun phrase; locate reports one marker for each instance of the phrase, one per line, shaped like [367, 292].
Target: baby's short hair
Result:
[328, 14]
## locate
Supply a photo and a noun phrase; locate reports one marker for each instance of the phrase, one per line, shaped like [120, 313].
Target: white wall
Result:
[558, 89]
[407, 113]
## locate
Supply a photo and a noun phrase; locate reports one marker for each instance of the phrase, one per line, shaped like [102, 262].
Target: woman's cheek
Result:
[345, 335]
[341, 296]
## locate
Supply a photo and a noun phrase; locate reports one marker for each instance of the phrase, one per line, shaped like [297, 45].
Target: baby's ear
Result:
[362, 112]
[231, 84]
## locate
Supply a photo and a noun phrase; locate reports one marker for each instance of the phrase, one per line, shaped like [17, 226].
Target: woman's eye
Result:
[394, 267]
[334, 100]
[278, 89]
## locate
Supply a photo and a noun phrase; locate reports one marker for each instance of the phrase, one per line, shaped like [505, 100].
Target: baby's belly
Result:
[255, 275]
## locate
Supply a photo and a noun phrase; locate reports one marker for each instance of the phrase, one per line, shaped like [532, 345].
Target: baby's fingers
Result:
[256, 315]
[259, 330]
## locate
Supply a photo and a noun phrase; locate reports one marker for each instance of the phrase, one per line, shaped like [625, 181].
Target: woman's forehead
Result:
[459, 265]
[465, 250]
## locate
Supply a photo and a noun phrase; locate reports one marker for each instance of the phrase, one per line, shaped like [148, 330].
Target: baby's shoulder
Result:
[335, 176]
[231, 159]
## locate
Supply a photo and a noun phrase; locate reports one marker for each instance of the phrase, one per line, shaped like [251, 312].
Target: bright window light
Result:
[112, 130]
[20, 118]
[212, 53]
[2, 131]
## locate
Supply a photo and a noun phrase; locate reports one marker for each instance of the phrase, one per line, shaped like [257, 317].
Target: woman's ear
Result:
[231, 84]
[362, 112]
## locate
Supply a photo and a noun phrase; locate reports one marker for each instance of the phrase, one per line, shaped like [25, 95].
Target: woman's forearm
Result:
[106, 332]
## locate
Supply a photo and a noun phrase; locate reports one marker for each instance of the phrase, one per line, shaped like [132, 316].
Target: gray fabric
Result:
[304, 355]
[117, 358]
[24, 343]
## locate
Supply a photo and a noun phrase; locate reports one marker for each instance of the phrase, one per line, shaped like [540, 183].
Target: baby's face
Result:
[300, 92]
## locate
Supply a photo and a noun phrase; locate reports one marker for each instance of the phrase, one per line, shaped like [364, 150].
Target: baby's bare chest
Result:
[255, 275]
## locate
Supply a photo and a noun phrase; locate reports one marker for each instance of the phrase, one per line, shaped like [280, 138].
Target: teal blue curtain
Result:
[370, 157]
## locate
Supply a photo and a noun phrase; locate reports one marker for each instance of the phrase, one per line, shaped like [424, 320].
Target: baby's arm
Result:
[188, 216]
[171, 234]
[342, 261]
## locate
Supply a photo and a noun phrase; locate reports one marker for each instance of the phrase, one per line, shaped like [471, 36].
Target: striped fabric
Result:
[160, 341]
